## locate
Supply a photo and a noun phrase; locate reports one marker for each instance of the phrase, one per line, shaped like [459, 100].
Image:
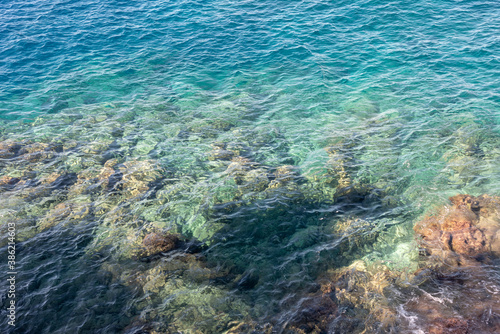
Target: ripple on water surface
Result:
[219, 167]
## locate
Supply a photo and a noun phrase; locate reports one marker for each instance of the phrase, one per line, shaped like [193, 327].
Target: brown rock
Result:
[220, 154]
[155, 243]
[65, 211]
[137, 175]
[111, 163]
[104, 176]
[37, 152]
[8, 149]
[285, 173]
[470, 241]
[247, 175]
[144, 170]
[448, 326]
[314, 315]
[8, 182]
[468, 228]
[52, 177]
[239, 167]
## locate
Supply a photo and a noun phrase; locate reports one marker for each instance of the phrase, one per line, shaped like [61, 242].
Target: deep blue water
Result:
[398, 100]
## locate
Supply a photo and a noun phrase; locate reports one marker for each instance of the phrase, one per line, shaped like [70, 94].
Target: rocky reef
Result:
[439, 293]
[465, 232]
[219, 227]
[460, 249]
[156, 243]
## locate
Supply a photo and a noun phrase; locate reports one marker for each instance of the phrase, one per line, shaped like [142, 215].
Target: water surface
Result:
[285, 142]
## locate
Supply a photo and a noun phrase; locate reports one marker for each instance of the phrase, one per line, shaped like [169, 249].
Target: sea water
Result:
[285, 143]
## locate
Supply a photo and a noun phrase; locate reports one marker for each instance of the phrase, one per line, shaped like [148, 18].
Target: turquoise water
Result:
[284, 142]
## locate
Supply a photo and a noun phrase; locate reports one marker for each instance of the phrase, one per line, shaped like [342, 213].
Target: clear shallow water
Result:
[346, 121]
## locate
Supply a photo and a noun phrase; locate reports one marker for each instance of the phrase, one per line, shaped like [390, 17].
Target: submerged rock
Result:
[355, 233]
[336, 179]
[8, 149]
[145, 170]
[64, 212]
[249, 177]
[363, 290]
[177, 294]
[240, 327]
[155, 243]
[209, 128]
[36, 152]
[467, 230]
[28, 152]
[449, 325]
[239, 167]
[283, 175]
[314, 314]
[137, 176]
[220, 154]
[8, 182]
[462, 240]
[91, 180]
[466, 303]
[248, 280]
